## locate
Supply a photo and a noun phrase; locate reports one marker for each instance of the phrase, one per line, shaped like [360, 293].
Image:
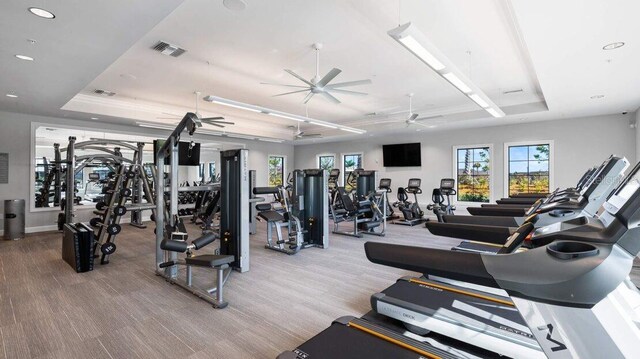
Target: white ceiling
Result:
[550, 50]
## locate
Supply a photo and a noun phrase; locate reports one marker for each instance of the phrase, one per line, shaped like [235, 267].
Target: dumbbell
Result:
[112, 229]
[125, 192]
[127, 174]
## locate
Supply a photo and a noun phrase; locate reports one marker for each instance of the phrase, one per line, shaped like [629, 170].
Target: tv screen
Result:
[185, 158]
[402, 155]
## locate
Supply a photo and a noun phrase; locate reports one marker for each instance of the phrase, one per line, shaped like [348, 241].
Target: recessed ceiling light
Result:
[418, 130]
[613, 45]
[42, 13]
[433, 126]
[11, 95]
[94, 118]
[234, 5]
[596, 97]
[24, 57]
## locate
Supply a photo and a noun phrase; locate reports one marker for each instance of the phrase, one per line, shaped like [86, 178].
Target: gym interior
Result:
[319, 179]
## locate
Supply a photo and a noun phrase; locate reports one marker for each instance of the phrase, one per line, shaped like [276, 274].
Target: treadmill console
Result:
[447, 183]
[414, 183]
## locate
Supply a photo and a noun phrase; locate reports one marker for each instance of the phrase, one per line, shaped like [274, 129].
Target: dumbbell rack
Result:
[107, 226]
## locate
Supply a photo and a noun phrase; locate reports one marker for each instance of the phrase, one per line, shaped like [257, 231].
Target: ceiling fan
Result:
[299, 135]
[318, 85]
[214, 121]
[413, 117]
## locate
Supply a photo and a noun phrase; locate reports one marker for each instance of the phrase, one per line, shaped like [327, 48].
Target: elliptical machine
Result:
[385, 186]
[439, 208]
[411, 211]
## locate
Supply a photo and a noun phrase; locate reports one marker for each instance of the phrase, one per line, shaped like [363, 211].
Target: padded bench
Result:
[271, 216]
[209, 260]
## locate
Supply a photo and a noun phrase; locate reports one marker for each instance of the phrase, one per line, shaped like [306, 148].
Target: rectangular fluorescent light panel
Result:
[350, 130]
[494, 113]
[477, 99]
[455, 81]
[414, 46]
[284, 116]
[236, 106]
[323, 124]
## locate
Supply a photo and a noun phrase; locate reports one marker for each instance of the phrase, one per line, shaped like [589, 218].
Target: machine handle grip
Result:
[174, 246]
[204, 240]
[167, 264]
[456, 265]
[266, 190]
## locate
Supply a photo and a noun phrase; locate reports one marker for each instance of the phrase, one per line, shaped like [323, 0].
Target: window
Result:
[350, 162]
[473, 173]
[276, 171]
[326, 162]
[212, 170]
[201, 171]
[529, 167]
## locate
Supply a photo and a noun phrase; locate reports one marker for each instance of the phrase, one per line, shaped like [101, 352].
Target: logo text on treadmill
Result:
[559, 345]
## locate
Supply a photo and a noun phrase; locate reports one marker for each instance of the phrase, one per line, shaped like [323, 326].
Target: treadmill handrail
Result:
[454, 265]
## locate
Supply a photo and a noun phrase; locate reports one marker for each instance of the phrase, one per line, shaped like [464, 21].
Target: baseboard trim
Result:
[54, 227]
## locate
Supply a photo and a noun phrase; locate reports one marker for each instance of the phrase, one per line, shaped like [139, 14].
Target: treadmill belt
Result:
[357, 338]
[456, 302]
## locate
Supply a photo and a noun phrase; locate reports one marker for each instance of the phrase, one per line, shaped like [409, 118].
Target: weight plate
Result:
[125, 192]
[100, 206]
[108, 248]
[113, 229]
[119, 211]
[95, 221]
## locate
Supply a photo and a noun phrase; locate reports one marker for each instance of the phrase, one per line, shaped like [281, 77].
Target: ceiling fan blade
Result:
[298, 77]
[289, 93]
[211, 118]
[170, 114]
[350, 83]
[347, 92]
[413, 117]
[215, 124]
[296, 86]
[220, 122]
[330, 97]
[165, 118]
[328, 77]
[308, 97]
[422, 124]
[428, 118]
[311, 135]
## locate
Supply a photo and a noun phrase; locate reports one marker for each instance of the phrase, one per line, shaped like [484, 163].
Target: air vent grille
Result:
[168, 49]
[513, 91]
[104, 92]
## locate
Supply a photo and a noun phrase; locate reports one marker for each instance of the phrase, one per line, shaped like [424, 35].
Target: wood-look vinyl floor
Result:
[123, 310]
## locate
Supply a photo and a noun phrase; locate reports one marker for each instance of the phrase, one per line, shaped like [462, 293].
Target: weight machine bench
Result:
[218, 262]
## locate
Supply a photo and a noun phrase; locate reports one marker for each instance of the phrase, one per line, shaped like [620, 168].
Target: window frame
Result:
[318, 156]
[454, 160]
[212, 174]
[343, 178]
[284, 168]
[505, 177]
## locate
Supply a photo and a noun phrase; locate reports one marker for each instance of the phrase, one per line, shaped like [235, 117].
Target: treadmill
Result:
[495, 229]
[579, 302]
[574, 257]
[543, 235]
[570, 195]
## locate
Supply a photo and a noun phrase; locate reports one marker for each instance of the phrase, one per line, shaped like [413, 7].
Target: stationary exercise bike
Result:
[410, 210]
[439, 208]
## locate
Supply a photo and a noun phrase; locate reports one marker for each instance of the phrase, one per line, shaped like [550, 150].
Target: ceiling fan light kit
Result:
[417, 43]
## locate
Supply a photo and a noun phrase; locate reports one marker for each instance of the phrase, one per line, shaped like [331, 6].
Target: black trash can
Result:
[14, 219]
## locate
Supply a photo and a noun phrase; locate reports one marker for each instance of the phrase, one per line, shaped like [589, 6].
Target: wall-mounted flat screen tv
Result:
[402, 155]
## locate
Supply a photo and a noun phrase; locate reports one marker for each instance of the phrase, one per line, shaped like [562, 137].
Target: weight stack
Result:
[77, 246]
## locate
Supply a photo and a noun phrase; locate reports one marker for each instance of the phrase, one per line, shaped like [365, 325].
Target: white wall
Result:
[15, 139]
[579, 143]
[637, 122]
